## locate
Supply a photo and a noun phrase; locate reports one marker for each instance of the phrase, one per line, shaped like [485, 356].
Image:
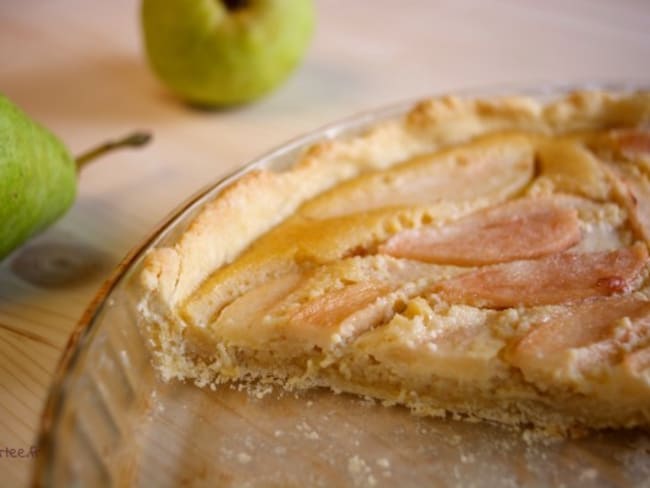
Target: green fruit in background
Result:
[224, 52]
[38, 176]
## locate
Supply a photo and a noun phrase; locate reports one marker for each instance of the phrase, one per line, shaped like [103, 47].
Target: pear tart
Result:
[477, 258]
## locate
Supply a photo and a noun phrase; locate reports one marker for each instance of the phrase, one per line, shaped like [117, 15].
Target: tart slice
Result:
[481, 258]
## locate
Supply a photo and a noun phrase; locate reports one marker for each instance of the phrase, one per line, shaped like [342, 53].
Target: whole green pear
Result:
[225, 52]
[38, 177]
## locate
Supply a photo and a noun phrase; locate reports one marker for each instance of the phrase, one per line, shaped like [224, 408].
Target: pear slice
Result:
[492, 167]
[632, 189]
[572, 168]
[522, 229]
[590, 338]
[633, 143]
[555, 279]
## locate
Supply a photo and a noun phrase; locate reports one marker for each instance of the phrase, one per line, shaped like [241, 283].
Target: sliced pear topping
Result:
[632, 142]
[334, 316]
[603, 225]
[334, 319]
[572, 168]
[522, 229]
[591, 337]
[632, 189]
[325, 306]
[555, 279]
[251, 307]
[300, 243]
[493, 168]
[356, 215]
[330, 309]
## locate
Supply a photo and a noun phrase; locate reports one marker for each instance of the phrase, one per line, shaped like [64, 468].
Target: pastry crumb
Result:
[307, 431]
[467, 458]
[383, 463]
[589, 474]
[360, 472]
[244, 458]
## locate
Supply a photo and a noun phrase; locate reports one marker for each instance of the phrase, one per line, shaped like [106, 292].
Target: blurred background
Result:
[78, 67]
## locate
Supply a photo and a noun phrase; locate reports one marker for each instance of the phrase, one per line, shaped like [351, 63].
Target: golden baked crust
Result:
[486, 258]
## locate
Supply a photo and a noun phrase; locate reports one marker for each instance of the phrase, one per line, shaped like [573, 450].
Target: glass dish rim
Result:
[80, 331]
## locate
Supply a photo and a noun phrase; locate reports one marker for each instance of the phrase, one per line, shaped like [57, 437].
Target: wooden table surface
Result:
[78, 67]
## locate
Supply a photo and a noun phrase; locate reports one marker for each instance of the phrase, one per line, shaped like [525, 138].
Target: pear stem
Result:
[136, 139]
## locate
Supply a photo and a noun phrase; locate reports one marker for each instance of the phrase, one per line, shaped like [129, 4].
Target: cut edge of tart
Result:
[477, 258]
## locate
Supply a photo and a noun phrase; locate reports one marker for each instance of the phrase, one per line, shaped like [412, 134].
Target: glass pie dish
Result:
[109, 420]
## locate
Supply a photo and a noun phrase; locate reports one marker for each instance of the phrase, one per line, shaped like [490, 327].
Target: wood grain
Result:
[78, 68]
